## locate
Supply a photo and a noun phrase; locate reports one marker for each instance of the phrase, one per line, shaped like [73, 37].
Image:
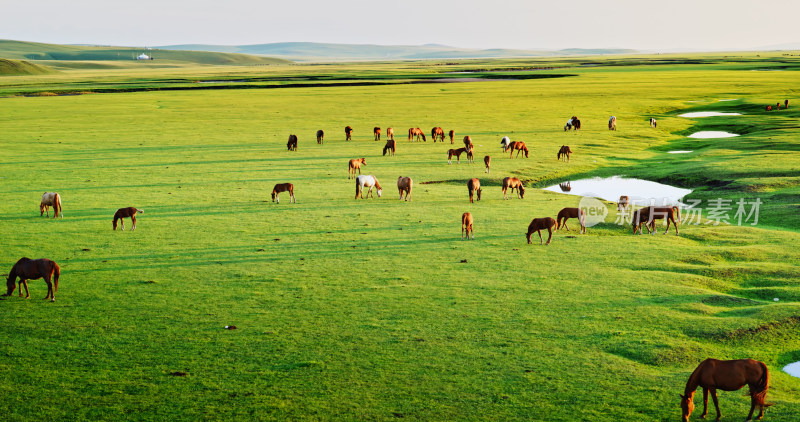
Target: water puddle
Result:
[792, 369]
[712, 134]
[708, 114]
[640, 192]
[679, 152]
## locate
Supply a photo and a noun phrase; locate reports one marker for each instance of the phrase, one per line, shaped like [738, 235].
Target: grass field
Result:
[364, 309]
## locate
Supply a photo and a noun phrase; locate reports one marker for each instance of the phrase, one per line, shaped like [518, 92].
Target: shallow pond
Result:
[712, 134]
[640, 191]
[708, 114]
[792, 369]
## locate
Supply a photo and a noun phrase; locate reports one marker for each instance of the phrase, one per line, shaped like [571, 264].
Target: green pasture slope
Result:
[374, 309]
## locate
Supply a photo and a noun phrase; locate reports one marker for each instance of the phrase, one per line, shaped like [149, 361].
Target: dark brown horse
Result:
[513, 183]
[649, 215]
[31, 269]
[292, 144]
[474, 187]
[727, 375]
[355, 164]
[457, 153]
[404, 185]
[123, 213]
[564, 152]
[539, 224]
[320, 136]
[348, 131]
[466, 226]
[437, 133]
[487, 161]
[567, 213]
[283, 187]
[518, 147]
[416, 132]
[452, 134]
[389, 147]
[390, 133]
[377, 132]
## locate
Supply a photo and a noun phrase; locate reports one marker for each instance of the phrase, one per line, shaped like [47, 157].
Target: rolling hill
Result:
[21, 67]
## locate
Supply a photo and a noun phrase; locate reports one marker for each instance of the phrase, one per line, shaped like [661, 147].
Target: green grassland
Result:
[375, 309]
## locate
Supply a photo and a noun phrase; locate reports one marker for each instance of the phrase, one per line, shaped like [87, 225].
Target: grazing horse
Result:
[389, 147]
[51, 199]
[31, 269]
[404, 184]
[487, 161]
[474, 187]
[567, 213]
[348, 131]
[364, 181]
[376, 131]
[572, 123]
[539, 224]
[649, 215]
[437, 132]
[518, 147]
[292, 144]
[565, 152]
[769, 108]
[504, 143]
[416, 132]
[466, 226]
[468, 142]
[457, 153]
[355, 164]
[612, 123]
[283, 187]
[653, 123]
[513, 183]
[452, 134]
[123, 213]
[727, 375]
[778, 105]
[623, 204]
[786, 104]
[320, 136]
[390, 133]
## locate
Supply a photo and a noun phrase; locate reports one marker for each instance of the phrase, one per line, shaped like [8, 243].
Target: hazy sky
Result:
[525, 24]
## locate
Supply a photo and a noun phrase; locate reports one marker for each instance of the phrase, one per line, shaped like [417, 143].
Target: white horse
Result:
[612, 123]
[51, 199]
[504, 143]
[367, 181]
[404, 184]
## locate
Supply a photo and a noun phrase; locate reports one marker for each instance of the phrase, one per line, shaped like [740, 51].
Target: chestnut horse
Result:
[452, 134]
[474, 187]
[649, 215]
[389, 147]
[355, 164]
[376, 131]
[437, 132]
[623, 204]
[457, 153]
[769, 108]
[292, 144]
[390, 133]
[31, 269]
[415, 131]
[466, 226]
[368, 182]
[123, 213]
[487, 161]
[51, 199]
[320, 136]
[283, 187]
[565, 152]
[348, 131]
[567, 213]
[513, 183]
[468, 142]
[653, 123]
[404, 184]
[518, 147]
[612, 123]
[539, 224]
[727, 375]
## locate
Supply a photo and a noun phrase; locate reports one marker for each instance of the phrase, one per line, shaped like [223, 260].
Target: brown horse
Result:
[466, 226]
[649, 215]
[377, 132]
[355, 164]
[474, 187]
[31, 269]
[573, 123]
[468, 142]
[416, 132]
[457, 153]
[348, 131]
[389, 147]
[487, 161]
[769, 108]
[283, 187]
[727, 375]
[778, 105]
[513, 183]
[292, 144]
[437, 132]
[452, 134]
[518, 147]
[404, 184]
[539, 224]
[565, 152]
[123, 213]
[390, 133]
[51, 199]
[623, 204]
[320, 136]
[567, 213]
[786, 104]
[565, 187]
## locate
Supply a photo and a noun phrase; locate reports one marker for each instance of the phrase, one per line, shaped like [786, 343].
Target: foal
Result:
[466, 225]
[283, 187]
[123, 213]
[539, 224]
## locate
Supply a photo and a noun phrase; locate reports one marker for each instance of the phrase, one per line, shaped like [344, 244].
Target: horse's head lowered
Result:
[10, 282]
[687, 406]
[521, 191]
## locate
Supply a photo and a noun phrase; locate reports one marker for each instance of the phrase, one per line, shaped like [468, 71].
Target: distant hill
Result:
[21, 67]
[323, 51]
[22, 50]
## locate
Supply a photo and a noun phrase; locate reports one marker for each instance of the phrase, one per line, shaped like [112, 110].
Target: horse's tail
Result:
[57, 205]
[56, 274]
[358, 188]
[759, 391]
[385, 148]
[139, 211]
[677, 212]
